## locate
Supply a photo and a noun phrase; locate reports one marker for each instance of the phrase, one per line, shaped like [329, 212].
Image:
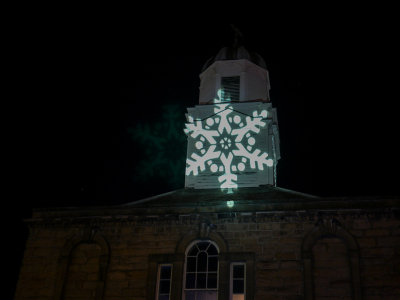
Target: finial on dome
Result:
[238, 35]
[235, 52]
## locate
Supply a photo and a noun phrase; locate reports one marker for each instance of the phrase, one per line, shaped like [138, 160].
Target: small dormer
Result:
[237, 75]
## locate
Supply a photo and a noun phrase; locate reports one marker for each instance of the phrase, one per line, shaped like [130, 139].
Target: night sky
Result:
[333, 85]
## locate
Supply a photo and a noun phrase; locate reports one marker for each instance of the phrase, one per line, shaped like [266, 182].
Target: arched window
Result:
[201, 271]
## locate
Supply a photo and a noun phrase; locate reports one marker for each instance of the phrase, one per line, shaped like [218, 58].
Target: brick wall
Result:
[276, 239]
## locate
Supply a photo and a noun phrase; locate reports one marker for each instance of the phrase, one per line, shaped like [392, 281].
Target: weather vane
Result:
[238, 35]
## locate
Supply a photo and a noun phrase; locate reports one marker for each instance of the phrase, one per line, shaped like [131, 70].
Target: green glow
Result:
[160, 148]
[224, 137]
[230, 203]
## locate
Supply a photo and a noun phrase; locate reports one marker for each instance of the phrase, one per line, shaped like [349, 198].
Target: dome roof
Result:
[232, 53]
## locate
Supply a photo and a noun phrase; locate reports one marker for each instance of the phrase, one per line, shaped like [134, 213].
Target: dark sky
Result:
[333, 83]
[333, 88]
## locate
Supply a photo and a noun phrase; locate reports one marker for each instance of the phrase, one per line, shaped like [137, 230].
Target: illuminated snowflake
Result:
[220, 138]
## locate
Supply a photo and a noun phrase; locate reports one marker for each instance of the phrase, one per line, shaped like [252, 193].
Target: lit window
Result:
[201, 271]
[230, 88]
[237, 284]
[164, 282]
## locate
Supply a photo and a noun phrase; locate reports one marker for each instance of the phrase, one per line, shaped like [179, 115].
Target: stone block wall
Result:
[297, 255]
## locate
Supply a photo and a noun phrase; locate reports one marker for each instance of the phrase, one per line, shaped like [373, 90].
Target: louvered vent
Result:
[230, 87]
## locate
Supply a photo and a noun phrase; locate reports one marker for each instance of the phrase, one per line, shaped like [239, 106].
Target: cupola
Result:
[233, 136]
[240, 75]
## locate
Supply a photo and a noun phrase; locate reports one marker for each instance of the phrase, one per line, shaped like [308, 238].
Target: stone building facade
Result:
[293, 246]
[231, 233]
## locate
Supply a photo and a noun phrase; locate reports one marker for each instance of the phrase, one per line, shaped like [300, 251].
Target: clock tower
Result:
[233, 136]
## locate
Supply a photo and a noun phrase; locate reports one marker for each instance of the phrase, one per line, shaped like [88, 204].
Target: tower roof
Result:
[234, 53]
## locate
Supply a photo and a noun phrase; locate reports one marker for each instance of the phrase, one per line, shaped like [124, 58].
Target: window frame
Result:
[188, 248]
[232, 265]
[159, 279]
[176, 259]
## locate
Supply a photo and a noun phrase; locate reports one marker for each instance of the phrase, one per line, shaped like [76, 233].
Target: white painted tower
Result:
[233, 136]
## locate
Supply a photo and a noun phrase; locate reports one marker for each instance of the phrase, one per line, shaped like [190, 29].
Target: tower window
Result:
[230, 88]
[201, 271]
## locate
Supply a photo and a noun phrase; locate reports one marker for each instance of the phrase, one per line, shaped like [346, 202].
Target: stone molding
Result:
[88, 235]
[330, 227]
[217, 218]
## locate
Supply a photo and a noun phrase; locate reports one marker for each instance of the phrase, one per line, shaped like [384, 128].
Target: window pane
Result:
[191, 264]
[206, 295]
[238, 286]
[212, 281]
[193, 251]
[190, 295]
[200, 295]
[238, 297]
[165, 272]
[238, 271]
[164, 286]
[201, 272]
[190, 280]
[203, 245]
[212, 250]
[212, 264]
[211, 295]
[201, 281]
[202, 262]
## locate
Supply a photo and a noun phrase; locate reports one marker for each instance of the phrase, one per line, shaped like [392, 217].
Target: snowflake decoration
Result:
[222, 137]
